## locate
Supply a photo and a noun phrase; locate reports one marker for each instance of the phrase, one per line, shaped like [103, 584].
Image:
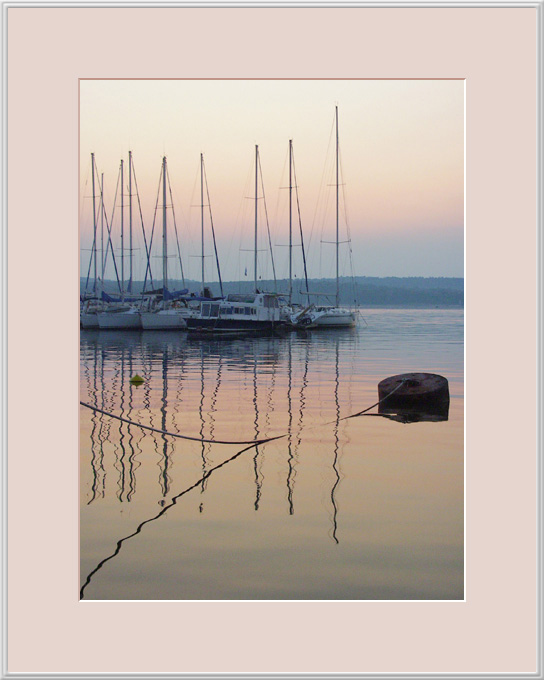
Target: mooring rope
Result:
[223, 441]
[174, 499]
[164, 510]
[175, 434]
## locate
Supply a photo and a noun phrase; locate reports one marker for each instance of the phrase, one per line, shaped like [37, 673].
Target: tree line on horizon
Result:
[359, 290]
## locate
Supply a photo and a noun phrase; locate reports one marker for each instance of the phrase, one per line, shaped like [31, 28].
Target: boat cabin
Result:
[253, 307]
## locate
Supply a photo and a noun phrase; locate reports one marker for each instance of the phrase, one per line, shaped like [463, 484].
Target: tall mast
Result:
[164, 229]
[102, 225]
[94, 227]
[256, 212]
[290, 220]
[122, 234]
[337, 232]
[130, 215]
[212, 228]
[202, 215]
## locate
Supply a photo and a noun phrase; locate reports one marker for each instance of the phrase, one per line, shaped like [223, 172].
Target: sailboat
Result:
[121, 313]
[92, 304]
[256, 313]
[329, 316]
[171, 311]
[290, 311]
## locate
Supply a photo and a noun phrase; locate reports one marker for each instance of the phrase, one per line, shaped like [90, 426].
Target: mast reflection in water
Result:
[356, 508]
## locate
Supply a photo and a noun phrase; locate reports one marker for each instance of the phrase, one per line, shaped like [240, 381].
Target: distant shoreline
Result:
[411, 306]
[360, 291]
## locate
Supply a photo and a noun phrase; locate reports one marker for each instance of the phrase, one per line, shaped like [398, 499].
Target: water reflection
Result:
[336, 447]
[165, 508]
[105, 434]
[164, 362]
[167, 364]
[430, 413]
[290, 453]
[98, 486]
[258, 474]
[302, 387]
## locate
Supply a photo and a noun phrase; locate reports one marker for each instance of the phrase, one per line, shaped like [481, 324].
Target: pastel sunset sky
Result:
[402, 172]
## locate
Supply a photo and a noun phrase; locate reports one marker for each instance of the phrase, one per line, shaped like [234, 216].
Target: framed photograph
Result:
[272, 295]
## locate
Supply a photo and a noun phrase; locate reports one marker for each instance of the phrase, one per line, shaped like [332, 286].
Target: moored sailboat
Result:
[168, 312]
[329, 316]
[121, 313]
[91, 303]
[256, 313]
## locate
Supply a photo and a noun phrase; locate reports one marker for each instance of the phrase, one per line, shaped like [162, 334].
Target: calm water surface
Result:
[357, 508]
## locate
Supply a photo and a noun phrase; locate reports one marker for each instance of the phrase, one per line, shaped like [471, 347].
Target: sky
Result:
[401, 175]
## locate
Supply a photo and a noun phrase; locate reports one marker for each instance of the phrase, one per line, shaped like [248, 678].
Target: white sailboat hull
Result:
[119, 320]
[169, 319]
[337, 318]
[89, 320]
[325, 317]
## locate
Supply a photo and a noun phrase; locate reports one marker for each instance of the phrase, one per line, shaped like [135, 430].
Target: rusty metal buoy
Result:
[426, 394]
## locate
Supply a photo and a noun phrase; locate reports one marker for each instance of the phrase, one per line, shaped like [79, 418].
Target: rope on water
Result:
[175, 498]
[222, 441]
[175, 434]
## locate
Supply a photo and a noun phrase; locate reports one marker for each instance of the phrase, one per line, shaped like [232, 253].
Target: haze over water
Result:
[338, 508]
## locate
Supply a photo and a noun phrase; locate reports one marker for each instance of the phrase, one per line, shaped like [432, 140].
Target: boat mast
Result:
[202, 215]
[94, 227]
[256, 212]
[164, 241]
[300, 223]
[102, 225]
[130, 216]
[290, 221]
[212, 228]
[337, 232]
[122, 236]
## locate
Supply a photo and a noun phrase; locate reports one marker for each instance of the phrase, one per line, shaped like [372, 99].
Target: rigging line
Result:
[160, 514]
[280, 210]
[179, 436]
[190, 223]
[322, 196]
[148, 268]
[175, 227]
[114, 206]
[109, 234]
[119, 284]
[147, 250]
[84, 194]
[236, 235]
[213, 232]
[93, 253]
[268, 229]
[85, 186]
[348, 230]
[300, 225]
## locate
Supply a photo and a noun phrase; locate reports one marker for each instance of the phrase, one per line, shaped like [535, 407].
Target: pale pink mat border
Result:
[49, 49]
